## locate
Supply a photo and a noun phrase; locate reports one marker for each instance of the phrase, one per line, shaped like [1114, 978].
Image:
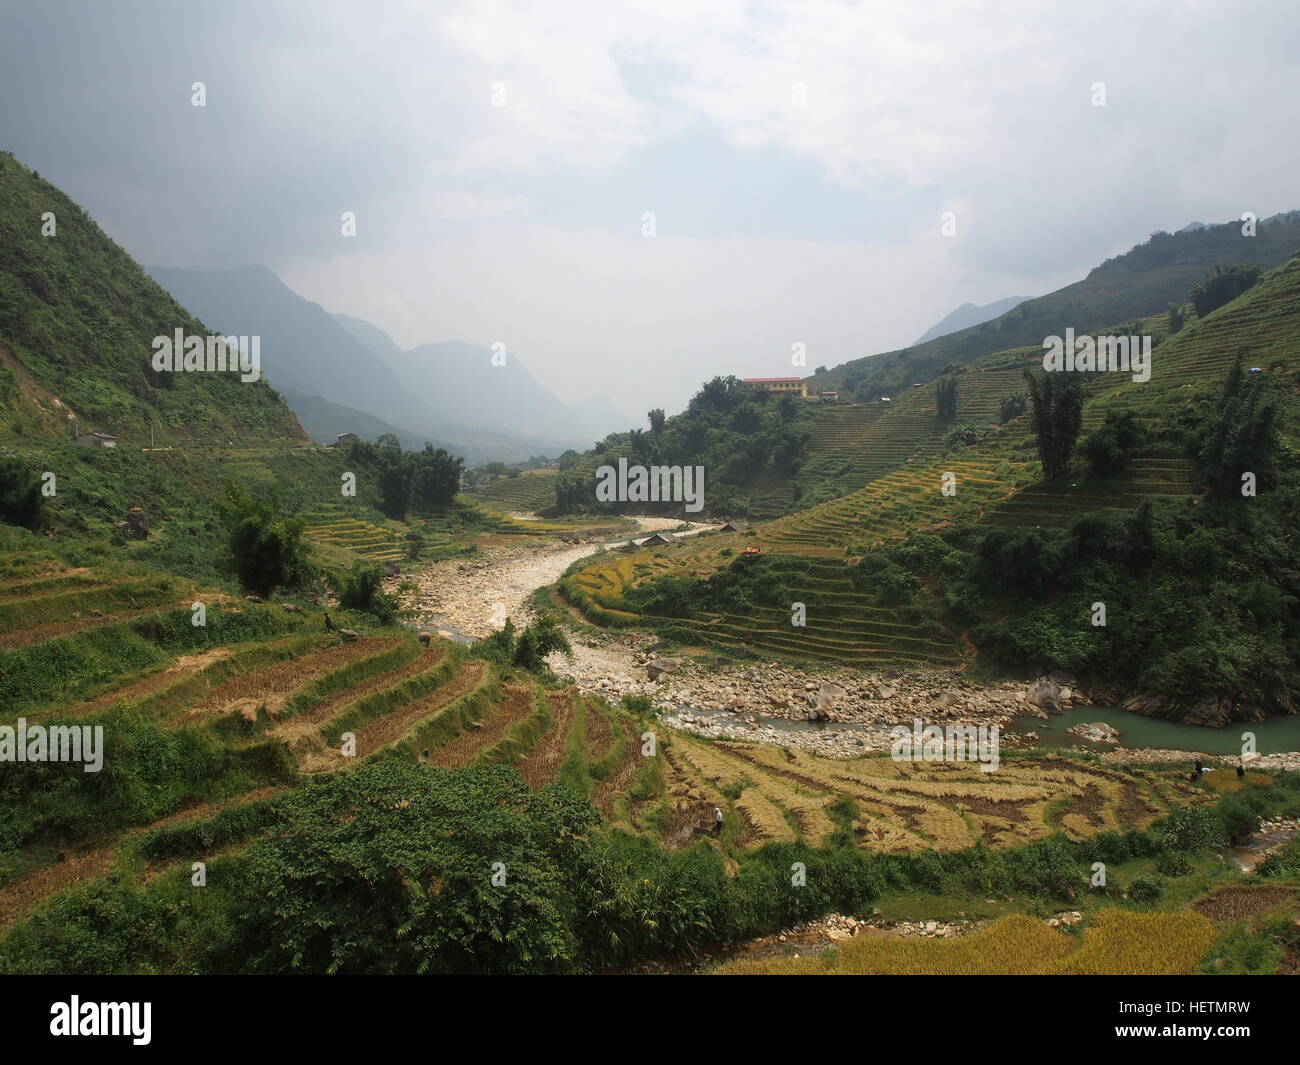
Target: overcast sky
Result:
[797, 159]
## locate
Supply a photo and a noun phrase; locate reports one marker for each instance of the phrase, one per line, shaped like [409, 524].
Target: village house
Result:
[793, 386]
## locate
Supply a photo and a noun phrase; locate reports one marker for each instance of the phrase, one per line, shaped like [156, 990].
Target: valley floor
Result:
[835, 711]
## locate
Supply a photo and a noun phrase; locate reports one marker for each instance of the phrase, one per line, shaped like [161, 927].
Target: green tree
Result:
[436, 475]
[528, 650]
[400, 868]
[1057, 404]
[1221, 286]
[945, 396]
[1241, 434]
[266, 547]
[361, 588]
[1110, 447]
[21, 502]
[542, 637]
[1012, 407]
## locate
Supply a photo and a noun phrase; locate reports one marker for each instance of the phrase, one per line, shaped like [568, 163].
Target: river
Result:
[467, 599]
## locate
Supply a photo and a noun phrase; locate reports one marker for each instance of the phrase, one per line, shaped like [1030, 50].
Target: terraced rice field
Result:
[784, 794]
[283, 706]
[530, 491]
[542, 763]
[843, 623]
[1057, 506]
[1115, 942]
[361, 538]
[891, 506]
[895, 453]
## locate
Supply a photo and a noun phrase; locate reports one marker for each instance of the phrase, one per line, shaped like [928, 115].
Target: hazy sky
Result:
[797, 158]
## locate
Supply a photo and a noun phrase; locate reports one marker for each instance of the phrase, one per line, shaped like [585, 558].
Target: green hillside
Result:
[283, 758]
[1004, 569]
[77, 322]
[1139, 283]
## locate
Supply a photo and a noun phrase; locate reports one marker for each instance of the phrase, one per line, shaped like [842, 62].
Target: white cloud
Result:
[387, 110]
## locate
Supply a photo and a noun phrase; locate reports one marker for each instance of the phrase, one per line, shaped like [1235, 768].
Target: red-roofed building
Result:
[786, 385]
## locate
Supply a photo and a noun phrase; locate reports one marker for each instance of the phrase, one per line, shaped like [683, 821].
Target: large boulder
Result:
[824, 699]
[1045, 694]
[1096, 732]
[1213, 711]
[659, 667]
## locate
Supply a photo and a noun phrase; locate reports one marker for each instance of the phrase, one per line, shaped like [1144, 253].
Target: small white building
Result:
[97, 440]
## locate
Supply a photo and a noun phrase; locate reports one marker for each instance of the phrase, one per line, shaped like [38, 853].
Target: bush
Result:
[1109, 449]
[1191, 830]
[361, 588]
[21, 502]
[1146, 888]
[1173, 863]
[1222, 286]
[530, 649]
[1012, 407]
[478, 873]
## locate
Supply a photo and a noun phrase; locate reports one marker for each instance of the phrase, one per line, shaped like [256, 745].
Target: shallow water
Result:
[1276, 736]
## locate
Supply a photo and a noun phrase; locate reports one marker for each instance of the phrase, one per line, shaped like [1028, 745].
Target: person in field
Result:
[717, 820]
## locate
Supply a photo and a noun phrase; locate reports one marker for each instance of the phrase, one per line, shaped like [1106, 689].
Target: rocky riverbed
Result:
[472, 597]
[835, 711]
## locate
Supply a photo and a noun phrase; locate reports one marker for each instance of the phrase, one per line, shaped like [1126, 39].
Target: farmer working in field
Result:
[717, 820]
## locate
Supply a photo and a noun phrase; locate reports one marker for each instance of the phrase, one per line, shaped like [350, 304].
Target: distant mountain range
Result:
[968, 315]
[342, 374]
